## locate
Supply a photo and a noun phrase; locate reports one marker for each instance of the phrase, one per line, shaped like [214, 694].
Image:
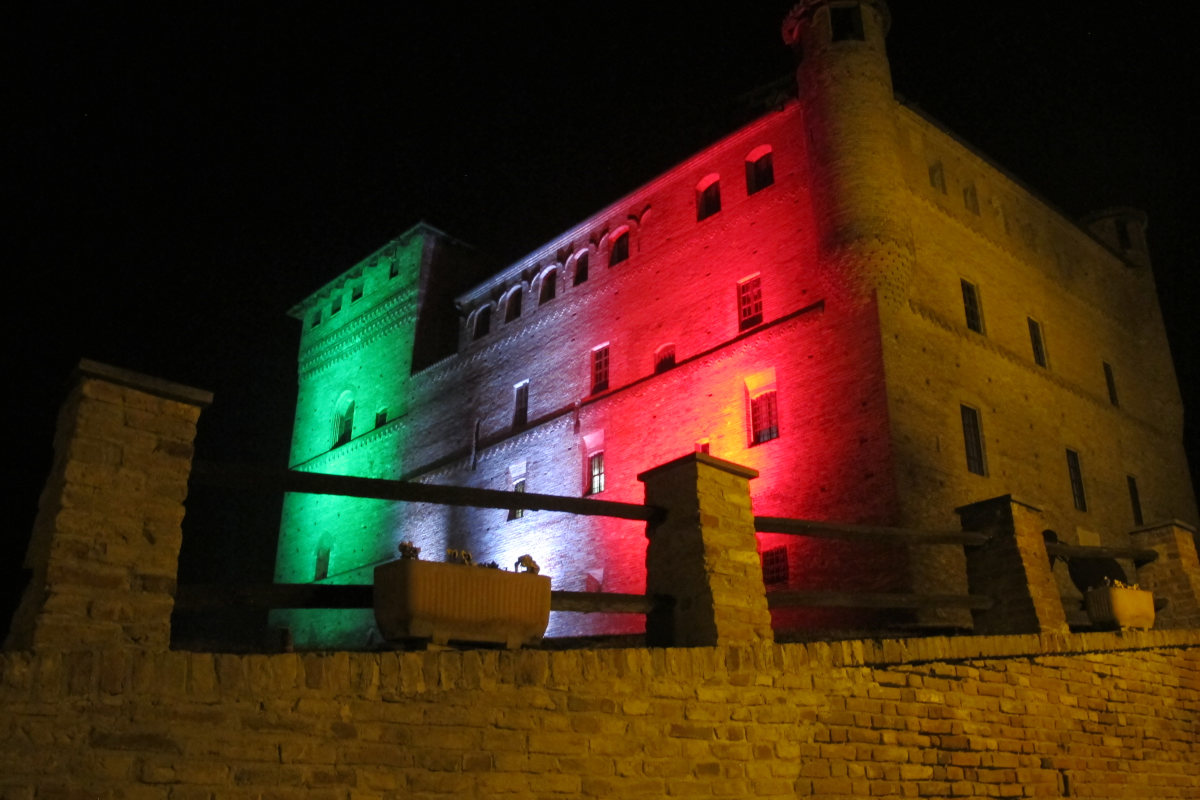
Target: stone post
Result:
[1013, 569]
[104, 552]
[704, 554]
[1174, 575]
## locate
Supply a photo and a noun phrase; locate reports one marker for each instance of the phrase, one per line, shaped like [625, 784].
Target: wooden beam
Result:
[1135, 554]
[257, 478]
[790, 599]
[601, 602]
[876, 534]
[194, 597]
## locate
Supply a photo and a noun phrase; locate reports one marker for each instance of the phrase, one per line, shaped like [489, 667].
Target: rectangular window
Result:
[764, 418]
[1076, 474]
[356, 292]
[581, 269]
[1111, 382]
[973, 441]
[845, 23]
[750, 307]
[520, 404]
[971, 307]
[760, 173]
[595, 481]
[937, 176]
[620, 249]
[316, 319]
[600, 369]
[518, 485]
[381, 418]
[336, 305]
[971, 199]
[1035, 340]
[708, 199]
[1135, 500]
[322, 568]
[775, 565]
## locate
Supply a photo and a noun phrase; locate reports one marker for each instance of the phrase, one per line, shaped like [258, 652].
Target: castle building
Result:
[840, 295]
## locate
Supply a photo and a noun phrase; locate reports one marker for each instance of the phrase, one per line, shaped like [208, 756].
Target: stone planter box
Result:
[1125, 608]
[430, 600]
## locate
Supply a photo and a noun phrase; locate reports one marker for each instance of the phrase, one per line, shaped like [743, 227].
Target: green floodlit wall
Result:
[362, 353]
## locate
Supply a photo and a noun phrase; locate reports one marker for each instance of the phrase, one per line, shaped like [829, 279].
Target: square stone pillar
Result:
[1013, 569]
[704, 553]
[1174, 575]
[104, 553]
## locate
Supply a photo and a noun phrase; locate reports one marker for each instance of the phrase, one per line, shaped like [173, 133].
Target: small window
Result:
[356, 292]
[760, 171]
[1076, 474]
[937, 176]
[620, 249]
[381, 418]
[971, 199]
[518, 485]
[512, 307]
[595, 480]
[393, 267]
[971, 307]
[520, 404]
[1036, 341]
[482, 323]
[336, 305]
[343, 420]
[845, 23]
[764, 418]
[749, 299]
[316, 319]
[664, 358]
[600, 369]
[1135, 500]
[973, 441]
[1111, 382]
[549, 286]
[775, 566]
[708, 196]
[581, 268]
[321, 572]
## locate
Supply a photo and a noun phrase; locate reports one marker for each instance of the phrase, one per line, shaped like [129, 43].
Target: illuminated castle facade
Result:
[840, 295]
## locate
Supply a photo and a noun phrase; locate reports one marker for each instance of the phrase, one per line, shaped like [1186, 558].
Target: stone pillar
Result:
[704, 553]
[1174, 575]
[104, 552]
[1013, 569]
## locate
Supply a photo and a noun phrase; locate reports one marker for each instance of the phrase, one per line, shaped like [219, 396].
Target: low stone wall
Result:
[1100, 715]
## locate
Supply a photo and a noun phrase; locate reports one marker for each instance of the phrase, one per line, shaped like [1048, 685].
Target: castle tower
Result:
[845, 88]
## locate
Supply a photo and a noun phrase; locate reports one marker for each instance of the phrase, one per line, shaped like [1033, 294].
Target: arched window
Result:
[481, 323]
[549, 285]
[512, 305]
[708, 196]
[581, 268]
[664, 358]
[343, 419]
[620, 247]
[760, 169]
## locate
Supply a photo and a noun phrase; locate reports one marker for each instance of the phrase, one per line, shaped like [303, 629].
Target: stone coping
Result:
[701, 458]
[144, 383]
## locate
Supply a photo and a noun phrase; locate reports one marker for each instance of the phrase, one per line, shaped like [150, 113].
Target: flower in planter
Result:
[454, 556]
[527, 564]
[409, 551]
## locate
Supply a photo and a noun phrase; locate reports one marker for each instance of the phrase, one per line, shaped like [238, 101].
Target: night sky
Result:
[181, 174]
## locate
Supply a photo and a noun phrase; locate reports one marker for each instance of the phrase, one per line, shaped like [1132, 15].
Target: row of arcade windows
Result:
[760, 173]
[973, 317]
[973, 444]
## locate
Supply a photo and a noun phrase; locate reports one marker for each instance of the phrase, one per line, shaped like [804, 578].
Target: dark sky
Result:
[182, 173]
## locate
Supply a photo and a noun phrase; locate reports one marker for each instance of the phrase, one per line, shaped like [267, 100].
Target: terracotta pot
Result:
[1126, 608]
[430, 600]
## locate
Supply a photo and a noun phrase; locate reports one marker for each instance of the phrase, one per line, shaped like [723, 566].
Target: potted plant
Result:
[429, 600]
[1120, 604]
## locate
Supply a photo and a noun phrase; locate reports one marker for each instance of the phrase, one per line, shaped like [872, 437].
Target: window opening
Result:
[483, 323]
[760, 170]
[316, 318]
[1111, 382]
[393, 267]
[518, 486]
[937, 176]
[520, 404]
[749, 297]
[581, 269]
[343, 420]
[1035, 339]
[971, 306]
[512, 307]
[764, 418]
[381, 418]
[1076, 473]
[664, 358]
[356, 292]
[973, 440]
[845, 23]
[708, 197]
[336, 305]
[600, 369]
[1135, 500]
[321, 571]
[775, 565]
[620, 249]
[971, 199]
[595, 483]
[549, 287]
